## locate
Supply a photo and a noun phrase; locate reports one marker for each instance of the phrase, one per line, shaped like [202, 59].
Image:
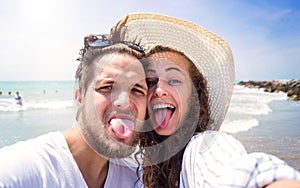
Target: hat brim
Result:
[209, 52]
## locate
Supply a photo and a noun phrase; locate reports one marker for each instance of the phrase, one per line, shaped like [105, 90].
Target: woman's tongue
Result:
[162, 117]
[122, 127]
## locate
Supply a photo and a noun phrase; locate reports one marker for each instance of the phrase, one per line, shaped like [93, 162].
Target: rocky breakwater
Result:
[291, 87]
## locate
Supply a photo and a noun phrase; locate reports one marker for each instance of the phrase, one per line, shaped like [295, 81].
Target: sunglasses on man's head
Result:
[102, 41]
[97, 41]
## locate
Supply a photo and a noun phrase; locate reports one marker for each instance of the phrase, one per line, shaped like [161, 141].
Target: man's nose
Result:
[121, 100]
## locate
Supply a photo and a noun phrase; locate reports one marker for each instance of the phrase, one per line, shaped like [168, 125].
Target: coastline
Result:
[266, 121]
[277, 134]
[262, 121]
[290, 87]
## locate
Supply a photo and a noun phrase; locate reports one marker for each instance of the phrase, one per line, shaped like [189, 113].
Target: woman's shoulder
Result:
[215, 141]
[205, 157]
[216, 159]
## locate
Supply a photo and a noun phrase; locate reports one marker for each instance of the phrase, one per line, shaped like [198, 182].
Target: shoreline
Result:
[290, 87]
[278, 133]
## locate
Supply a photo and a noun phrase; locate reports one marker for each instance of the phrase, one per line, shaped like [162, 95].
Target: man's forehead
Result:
[127, 70]
[110, 62]
[120, 75]
[119, 68]
[127, 75]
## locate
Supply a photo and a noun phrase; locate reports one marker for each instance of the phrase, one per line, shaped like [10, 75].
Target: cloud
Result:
[279, 15]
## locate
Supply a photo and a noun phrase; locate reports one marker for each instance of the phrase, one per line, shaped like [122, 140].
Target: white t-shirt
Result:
[216, 159]
[46, 161]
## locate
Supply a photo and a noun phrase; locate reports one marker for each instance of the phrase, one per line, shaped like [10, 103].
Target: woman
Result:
[170, 96]
[190, 76]
[172, 102]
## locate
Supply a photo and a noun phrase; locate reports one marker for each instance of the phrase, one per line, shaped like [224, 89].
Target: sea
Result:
[263, 122]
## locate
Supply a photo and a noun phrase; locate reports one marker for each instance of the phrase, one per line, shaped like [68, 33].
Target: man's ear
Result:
[78, 96]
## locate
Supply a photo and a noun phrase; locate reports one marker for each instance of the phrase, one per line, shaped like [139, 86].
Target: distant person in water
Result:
[9, 93]
[19, 98]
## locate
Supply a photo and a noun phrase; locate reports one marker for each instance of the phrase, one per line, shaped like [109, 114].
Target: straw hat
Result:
[210, 53]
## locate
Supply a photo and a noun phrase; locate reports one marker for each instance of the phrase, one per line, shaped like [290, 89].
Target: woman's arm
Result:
[284, 183]
[217, 159]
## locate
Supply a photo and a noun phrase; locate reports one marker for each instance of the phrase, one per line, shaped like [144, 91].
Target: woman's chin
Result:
[164, 131]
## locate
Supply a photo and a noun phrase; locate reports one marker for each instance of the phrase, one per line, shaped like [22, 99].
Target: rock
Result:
[291, 87]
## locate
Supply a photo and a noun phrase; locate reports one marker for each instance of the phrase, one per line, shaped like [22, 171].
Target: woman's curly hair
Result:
[169, 151]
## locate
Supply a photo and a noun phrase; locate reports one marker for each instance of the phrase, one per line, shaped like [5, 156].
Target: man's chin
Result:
[121, 148]
[117, 150]
[129, 140]
[101, 138]
[108, 145]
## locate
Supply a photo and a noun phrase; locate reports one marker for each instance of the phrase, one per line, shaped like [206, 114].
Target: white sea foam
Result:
[239, 125]
[50, 104]
[254, 108]
[253, 101]
[9, 105]
[246, 106]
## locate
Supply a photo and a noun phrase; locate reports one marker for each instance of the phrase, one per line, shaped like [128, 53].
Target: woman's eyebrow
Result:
[167, 69]
[173, 68]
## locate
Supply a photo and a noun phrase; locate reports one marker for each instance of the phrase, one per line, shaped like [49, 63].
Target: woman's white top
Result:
[216, 159]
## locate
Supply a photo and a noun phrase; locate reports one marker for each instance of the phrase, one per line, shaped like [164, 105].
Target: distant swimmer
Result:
[19, 98]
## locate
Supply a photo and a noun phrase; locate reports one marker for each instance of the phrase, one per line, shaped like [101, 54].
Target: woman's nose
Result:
[161, 89]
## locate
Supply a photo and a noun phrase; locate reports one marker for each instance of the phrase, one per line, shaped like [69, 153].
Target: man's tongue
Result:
[122, 127]
[162, 117]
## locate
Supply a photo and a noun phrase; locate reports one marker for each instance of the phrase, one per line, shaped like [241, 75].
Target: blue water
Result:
[278, 133]
[267, 122]
[48, 106]
[38, 91]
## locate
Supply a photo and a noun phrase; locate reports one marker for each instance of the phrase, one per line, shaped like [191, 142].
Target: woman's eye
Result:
[174, 82]
[151, 81]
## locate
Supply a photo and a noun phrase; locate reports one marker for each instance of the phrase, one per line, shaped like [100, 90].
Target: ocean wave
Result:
[9, 105]
[254, 108]
[253, 101]
[239, 125]
[246, 106]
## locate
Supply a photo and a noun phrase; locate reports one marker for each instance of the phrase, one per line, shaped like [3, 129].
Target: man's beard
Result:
[97, 137]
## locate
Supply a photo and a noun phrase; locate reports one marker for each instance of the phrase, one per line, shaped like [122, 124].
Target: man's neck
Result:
[93, 167]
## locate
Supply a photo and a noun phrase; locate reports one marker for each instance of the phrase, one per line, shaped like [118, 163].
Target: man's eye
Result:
[151, 81]
[104, 88]
[138, 91]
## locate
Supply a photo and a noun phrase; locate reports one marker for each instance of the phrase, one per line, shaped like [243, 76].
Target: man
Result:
[19, 99]
[111, 106]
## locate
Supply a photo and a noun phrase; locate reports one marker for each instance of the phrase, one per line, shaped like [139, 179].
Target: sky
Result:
[40, 39]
